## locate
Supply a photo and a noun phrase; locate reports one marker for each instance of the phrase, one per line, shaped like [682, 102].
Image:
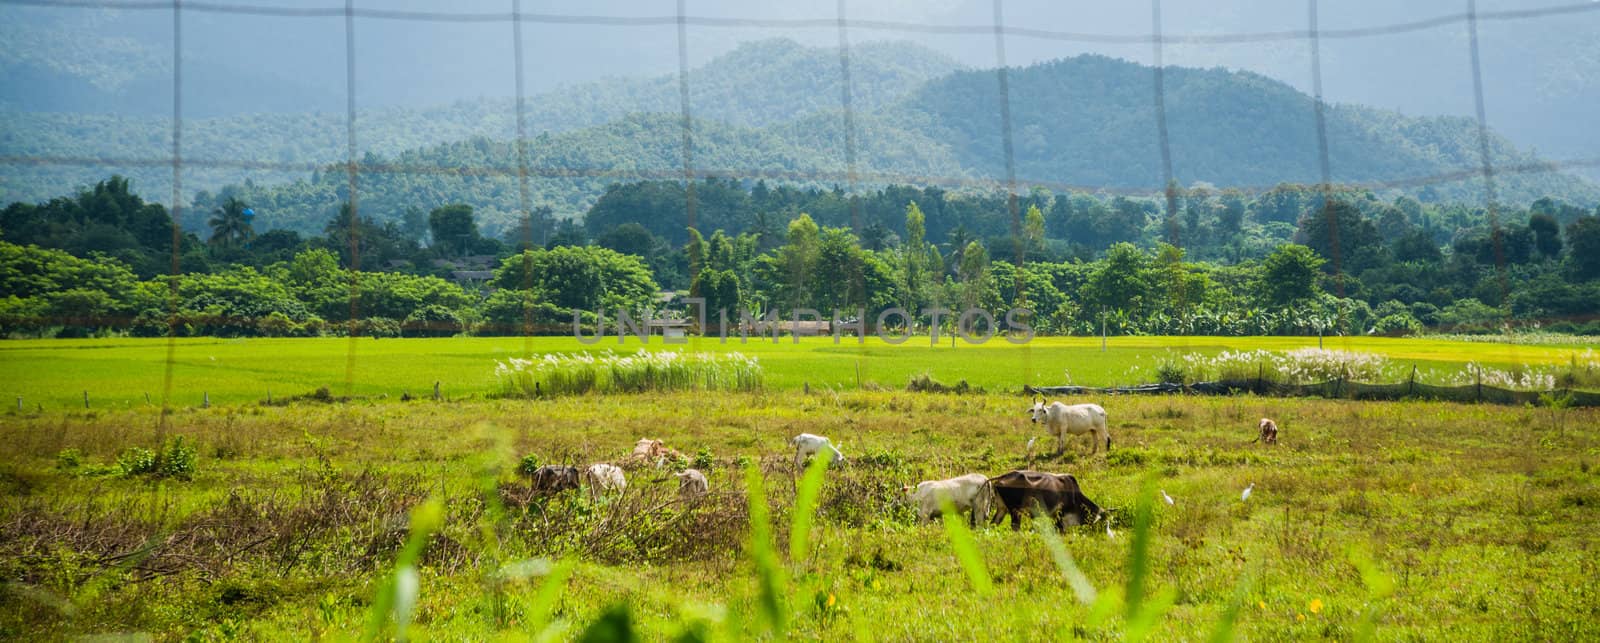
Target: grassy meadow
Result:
[119, 373]
[1394, 520]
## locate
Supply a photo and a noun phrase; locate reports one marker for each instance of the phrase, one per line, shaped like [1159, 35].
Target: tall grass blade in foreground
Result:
[966, 548]
[1142, 612]
[1081, 587]
[399, 594]
[768, 573]
[805, 509]
[1230, 616]
[1379, 587]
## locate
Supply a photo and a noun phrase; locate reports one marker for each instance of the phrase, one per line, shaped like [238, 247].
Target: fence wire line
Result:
[847, 100]
[871, 177]
[353, 200]
[1019, 282]
[524, 200]
[1330, 215]
[819, 23]
[688, 117]
[682, 20]
[173, 296]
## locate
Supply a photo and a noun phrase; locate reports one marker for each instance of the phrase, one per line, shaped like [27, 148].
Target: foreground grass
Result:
[122, 373]
[1482, 518]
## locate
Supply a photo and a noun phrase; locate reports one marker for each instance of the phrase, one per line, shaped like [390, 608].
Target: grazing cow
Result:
[602, 478]
[692, 484]
[1056, 494]
[1061, 420]
[553, 478]
[1268, 434]
[806, 445]
[653, 452]
[969, 493]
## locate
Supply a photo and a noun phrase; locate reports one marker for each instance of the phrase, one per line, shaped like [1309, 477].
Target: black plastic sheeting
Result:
[1335, 389]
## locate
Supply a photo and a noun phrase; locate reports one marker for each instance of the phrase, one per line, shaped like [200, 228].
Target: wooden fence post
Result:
[19, 403]
[1411, 388]
[85, 399]
[205, 399]
[436, 391]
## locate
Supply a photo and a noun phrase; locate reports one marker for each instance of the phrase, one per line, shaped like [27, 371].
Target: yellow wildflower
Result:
[1262, 604]
[1300, 617]
[1315, 606]
[830, 600]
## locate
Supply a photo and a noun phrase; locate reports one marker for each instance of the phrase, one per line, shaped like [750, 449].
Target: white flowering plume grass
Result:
[608, 372]
[1300, 366]
[1315, 365]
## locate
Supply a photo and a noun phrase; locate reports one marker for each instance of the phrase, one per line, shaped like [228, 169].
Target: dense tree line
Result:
[1290, 260]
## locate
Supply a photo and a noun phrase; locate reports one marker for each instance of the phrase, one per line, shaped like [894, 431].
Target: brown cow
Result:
[553, 478]
[1268, 434]
[652, 453]
[1056, 494]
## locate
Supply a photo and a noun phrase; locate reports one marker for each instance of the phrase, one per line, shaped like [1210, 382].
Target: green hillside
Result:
[771, 109]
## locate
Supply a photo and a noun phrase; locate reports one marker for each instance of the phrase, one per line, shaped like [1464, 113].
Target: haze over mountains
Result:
[767, 107]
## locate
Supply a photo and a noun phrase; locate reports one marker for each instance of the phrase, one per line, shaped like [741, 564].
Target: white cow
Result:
[692, 484]
[1061, 420]
[602, 478]
[806, 445]
[970, 493]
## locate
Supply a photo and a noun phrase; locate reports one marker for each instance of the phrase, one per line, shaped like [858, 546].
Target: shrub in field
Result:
[580, 373]
[924, 383]
[1171, 372]
[177, 460]
[528, 465]
[702, 460]
[69, 459]
[137, 461]
[1583, 371]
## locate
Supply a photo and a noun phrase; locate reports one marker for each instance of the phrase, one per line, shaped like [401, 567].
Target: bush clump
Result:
[175, 460]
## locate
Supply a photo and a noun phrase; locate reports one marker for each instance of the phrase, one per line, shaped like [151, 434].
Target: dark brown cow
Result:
[551, 478]
[1057, 494]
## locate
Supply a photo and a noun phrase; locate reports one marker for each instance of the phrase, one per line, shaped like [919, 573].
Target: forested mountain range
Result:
[770, 109]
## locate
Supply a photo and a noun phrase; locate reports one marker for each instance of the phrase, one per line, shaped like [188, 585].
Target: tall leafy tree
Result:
[1546, 235]
[973, 273]
[915, 255]
[796, 261]
[229, 225]
[1583, 246]
[1289, 276]
[455, 232]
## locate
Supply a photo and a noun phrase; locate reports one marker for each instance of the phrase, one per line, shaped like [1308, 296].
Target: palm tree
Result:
[229, 225]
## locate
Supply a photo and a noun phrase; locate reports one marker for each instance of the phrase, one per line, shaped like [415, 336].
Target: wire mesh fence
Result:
[1346, 390]
[853, 174]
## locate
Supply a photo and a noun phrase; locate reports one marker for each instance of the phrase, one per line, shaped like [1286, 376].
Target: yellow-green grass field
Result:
[1394, 520]
[120, 373]
[1398, 520]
